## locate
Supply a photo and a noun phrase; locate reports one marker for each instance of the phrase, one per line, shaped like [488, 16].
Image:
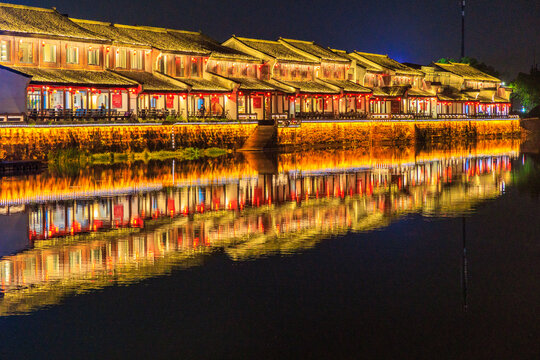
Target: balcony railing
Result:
[51, 115]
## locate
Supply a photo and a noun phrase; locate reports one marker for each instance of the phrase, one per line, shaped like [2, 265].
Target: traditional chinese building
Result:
[397, 88]
[464, 91]
[333, 70]
[53, 67]
[49, 62]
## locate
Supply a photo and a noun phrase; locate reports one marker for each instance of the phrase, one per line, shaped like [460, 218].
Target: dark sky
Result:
[501, 33]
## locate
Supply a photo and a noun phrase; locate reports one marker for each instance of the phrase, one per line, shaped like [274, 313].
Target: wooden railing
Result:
[78, 114]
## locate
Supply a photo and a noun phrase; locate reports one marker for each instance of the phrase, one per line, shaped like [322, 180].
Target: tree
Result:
[527, 89]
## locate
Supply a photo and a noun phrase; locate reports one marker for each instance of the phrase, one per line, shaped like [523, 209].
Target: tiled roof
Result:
[388, 63]
[275, 50]
[342, 53]
[419, 93]
[348, 86]
[203, 43]
[395, 91]
[313, 87]
[252, 84]
[154, 82]
[108, 30]
[198, 84]
[467, 72]
[73, 77]
[32, 20]
[282, 87]
[379, 92]
[455, 96]
[316, 50]
[499, 99]
[162, 39]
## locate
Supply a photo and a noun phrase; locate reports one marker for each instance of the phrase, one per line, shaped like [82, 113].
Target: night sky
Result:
[501, 33]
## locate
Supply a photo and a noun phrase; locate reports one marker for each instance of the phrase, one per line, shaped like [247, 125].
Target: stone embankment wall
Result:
[33, 142]
[28, 142]
[395, 132]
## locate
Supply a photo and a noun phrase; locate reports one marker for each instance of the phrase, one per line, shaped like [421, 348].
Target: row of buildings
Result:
[52, 65]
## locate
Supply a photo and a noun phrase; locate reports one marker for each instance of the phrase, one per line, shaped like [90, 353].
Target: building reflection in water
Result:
[89, 231]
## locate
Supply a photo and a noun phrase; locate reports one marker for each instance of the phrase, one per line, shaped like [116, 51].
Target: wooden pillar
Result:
[237, 97]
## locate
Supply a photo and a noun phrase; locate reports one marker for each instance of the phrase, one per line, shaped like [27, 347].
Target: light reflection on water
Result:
[115, 225]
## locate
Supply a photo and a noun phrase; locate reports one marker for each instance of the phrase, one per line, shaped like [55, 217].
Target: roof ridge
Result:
[259, 40]
[95, 22]
[185, 31]
[142, 27]
[368, 53]
[296, 40]
[27, 7]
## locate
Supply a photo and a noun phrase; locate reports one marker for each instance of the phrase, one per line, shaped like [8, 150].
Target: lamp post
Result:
[462, 28]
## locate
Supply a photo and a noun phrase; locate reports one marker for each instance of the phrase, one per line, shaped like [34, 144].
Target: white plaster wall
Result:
[12, 92]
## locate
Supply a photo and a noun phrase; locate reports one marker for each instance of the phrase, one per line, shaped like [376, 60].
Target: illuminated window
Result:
[284, 72]
[251, 71]
[241, 105]
[180, 65]
[121, 58]
[93, 56]
[167, 66]
[26, 52]
[137, 60]
[49, 53]
[195, 67]
[5, 50]
[72, 55]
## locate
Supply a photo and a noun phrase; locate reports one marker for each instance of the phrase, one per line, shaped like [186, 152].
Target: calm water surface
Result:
[353, 253]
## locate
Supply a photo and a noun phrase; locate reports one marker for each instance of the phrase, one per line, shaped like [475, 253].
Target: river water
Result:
[351, 253]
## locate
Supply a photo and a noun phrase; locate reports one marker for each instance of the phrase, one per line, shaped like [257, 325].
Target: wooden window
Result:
[26, 52]
[121, 58]
[72, 55]
[195, 66]
[167, 67]
[93, 56]
[137, 60]
[5, 50]
[180, 65]
[49, 53]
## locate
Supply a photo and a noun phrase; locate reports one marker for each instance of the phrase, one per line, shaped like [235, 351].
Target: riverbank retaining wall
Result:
[35, 142]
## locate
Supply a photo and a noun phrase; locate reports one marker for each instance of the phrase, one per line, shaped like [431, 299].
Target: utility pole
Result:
[462, 28]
